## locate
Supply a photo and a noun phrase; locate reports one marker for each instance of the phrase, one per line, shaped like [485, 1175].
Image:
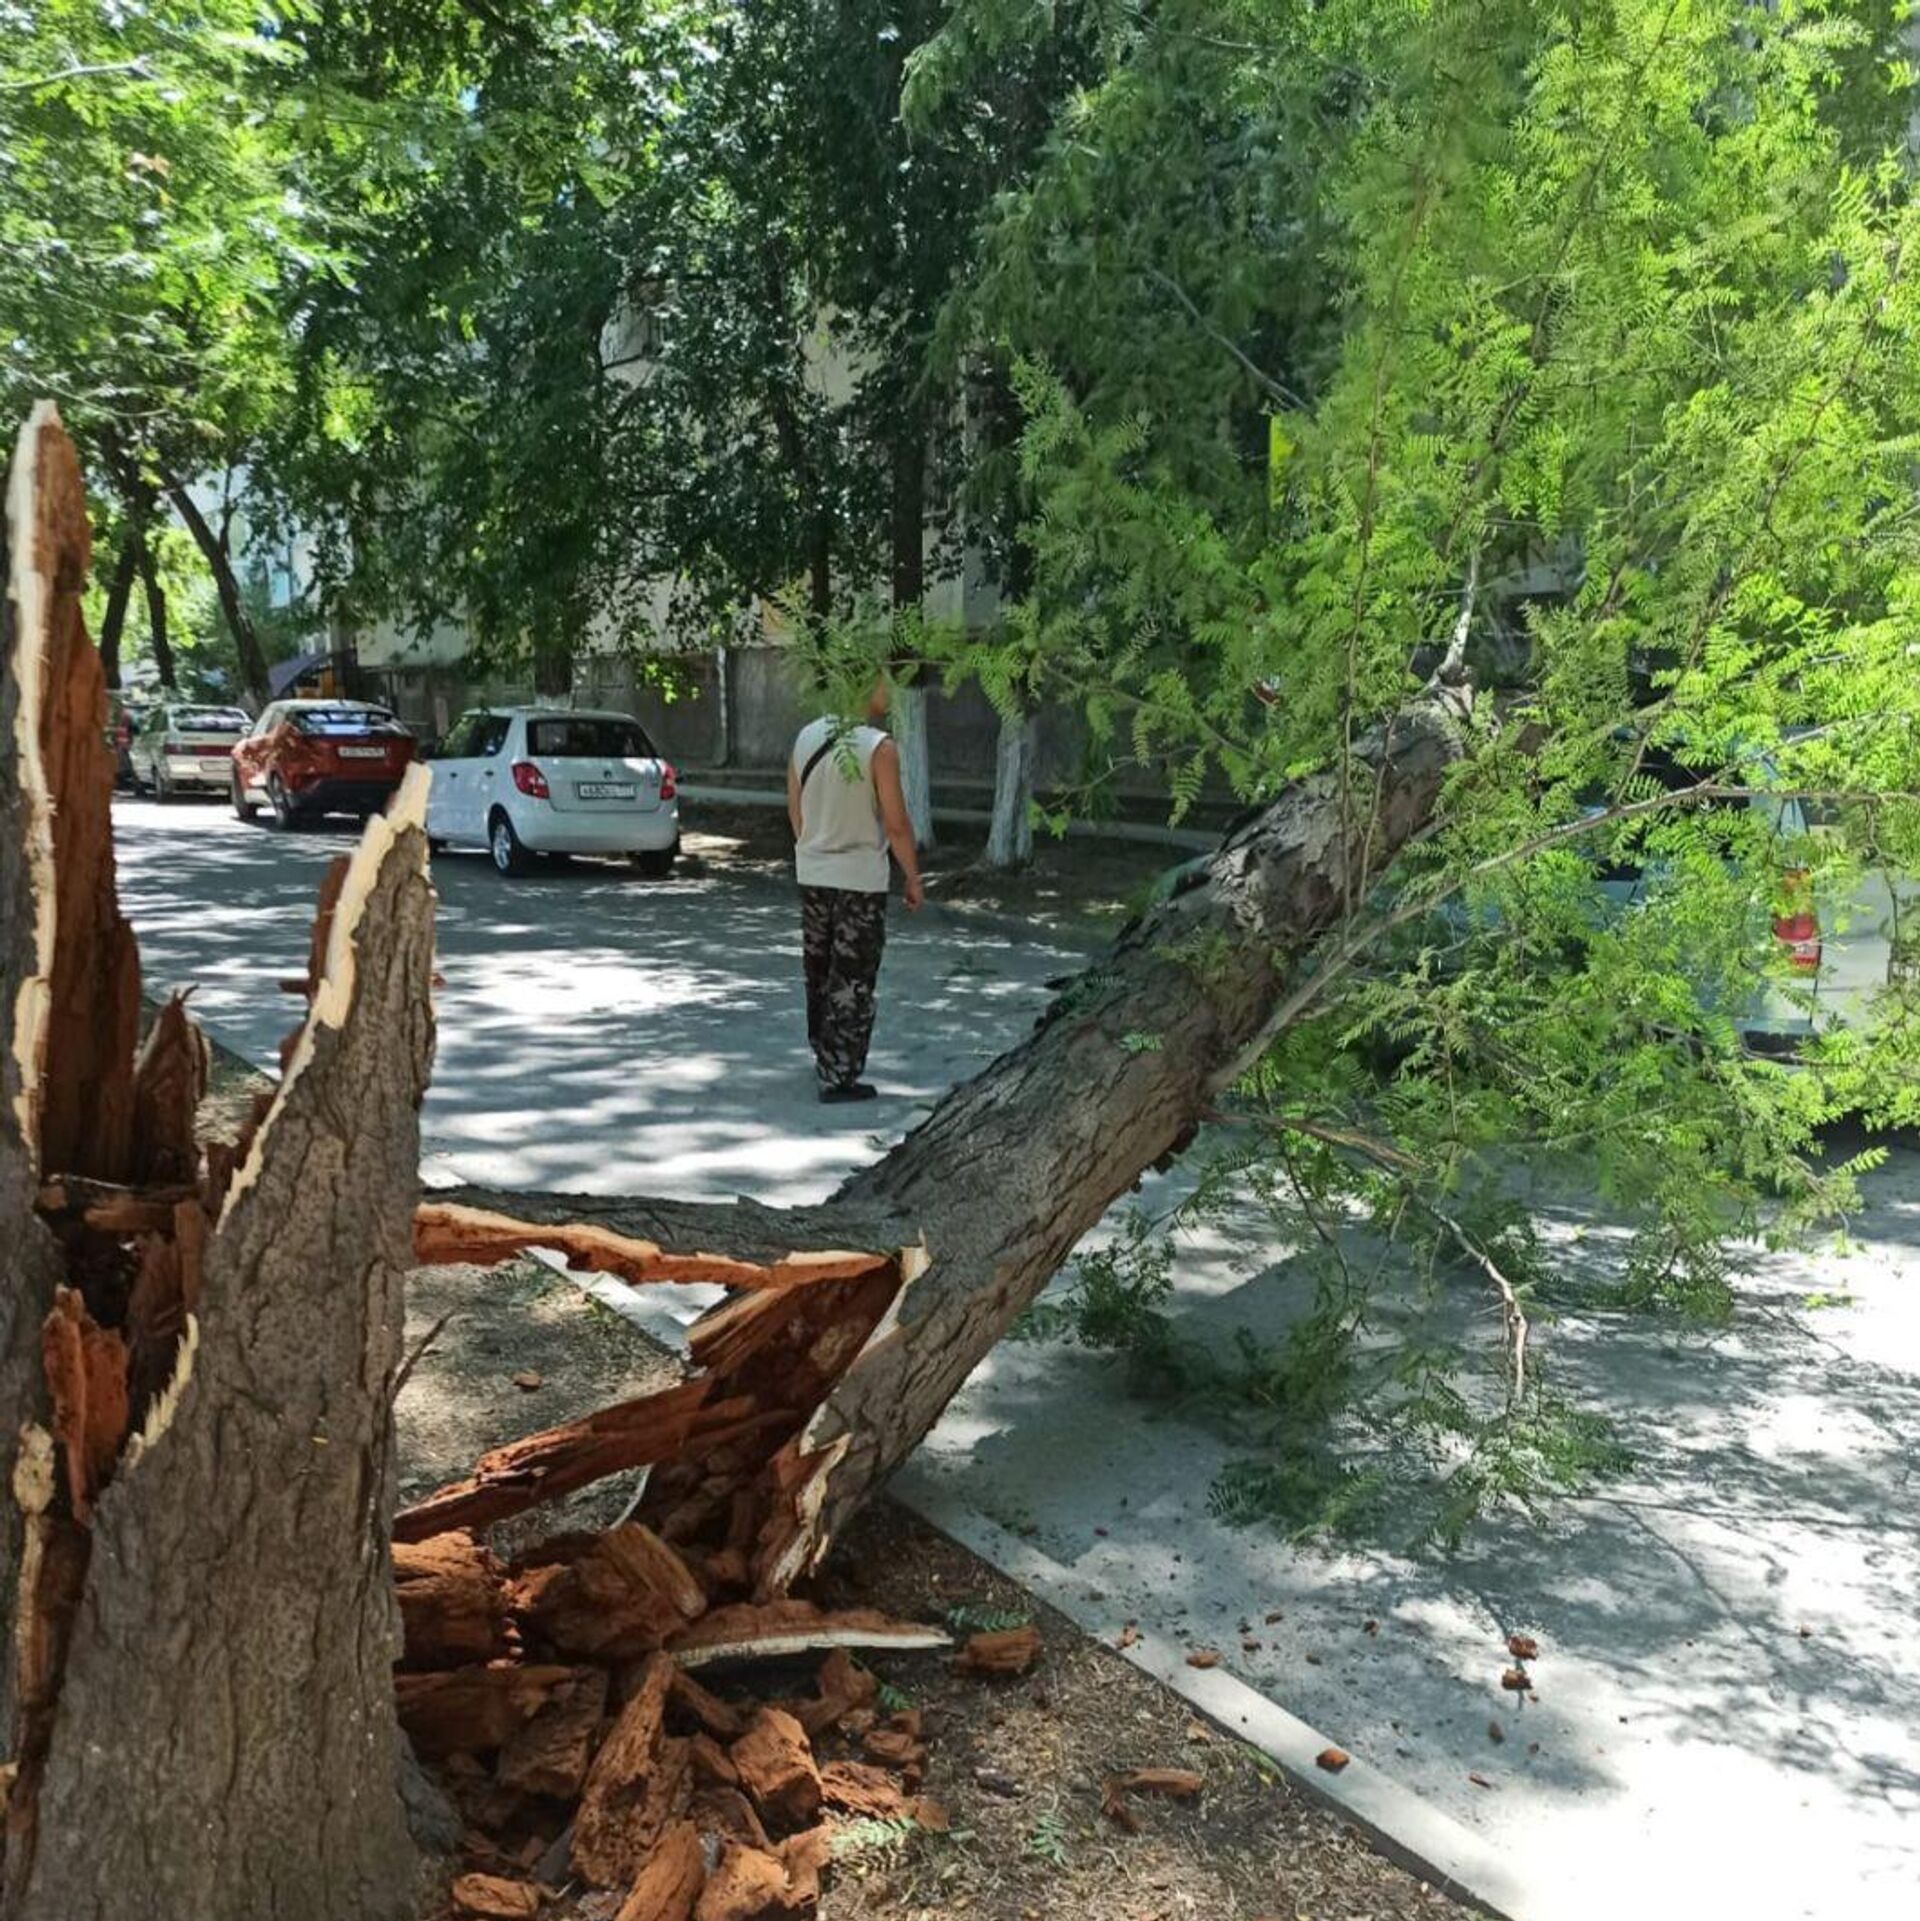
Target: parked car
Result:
[182, 745]
[523, 781]
[305, 758]
[1836, 955]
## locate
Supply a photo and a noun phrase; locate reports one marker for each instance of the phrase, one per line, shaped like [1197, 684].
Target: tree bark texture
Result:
[202, 1720]
[43, 557]
[253, 663]
[1010, 837]
[907, 577]
[909, 729]
[113, 617]
[157, 635]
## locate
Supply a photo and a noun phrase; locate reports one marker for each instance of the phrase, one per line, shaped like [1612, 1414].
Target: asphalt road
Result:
[597, 1031]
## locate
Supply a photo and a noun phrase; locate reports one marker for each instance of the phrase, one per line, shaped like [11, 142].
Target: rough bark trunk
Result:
[909, 730]
[253, 663]
[1011, 1169]
[908, 579]
[201, 1717]
[156, 614]
[1010, 838]
[43, 563]
[113, 617]
[553, 664]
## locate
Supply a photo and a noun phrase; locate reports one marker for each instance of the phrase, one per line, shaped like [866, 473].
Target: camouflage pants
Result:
[841, 935]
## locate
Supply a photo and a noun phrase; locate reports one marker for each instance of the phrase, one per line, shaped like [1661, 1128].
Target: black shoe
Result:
[849, 1091]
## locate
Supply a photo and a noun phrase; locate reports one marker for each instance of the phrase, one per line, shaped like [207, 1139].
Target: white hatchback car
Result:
[523, 781]
[182, 745]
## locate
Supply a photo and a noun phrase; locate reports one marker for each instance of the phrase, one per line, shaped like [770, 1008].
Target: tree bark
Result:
[200, 1708]
[113, 617]
[908, 716]
[553, 663]
[907, 540]
[253, 663]
[1010, 838]
[156, 613]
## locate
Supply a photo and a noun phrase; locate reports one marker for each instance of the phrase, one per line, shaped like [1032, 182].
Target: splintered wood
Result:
[555, 1695]
[214, 1319]
[551, 1697]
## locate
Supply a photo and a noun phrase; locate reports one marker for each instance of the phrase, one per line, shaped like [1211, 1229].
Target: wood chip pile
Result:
[600, 1724]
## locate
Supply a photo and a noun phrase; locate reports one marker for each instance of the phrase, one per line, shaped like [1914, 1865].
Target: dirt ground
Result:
[1019, 1765]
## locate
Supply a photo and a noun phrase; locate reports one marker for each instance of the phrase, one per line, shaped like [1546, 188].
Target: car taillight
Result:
[1799, 930]
[667, 780]
[172, 746]
[530, 780]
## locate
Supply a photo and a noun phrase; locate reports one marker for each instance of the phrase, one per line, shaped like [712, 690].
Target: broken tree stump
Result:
[194, 1387]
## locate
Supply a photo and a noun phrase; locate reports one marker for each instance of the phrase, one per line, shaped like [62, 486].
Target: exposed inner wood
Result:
[198, 1340]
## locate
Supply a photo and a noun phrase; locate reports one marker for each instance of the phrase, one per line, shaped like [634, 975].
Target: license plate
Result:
[363, 753]
[214, 766]
[604, 789]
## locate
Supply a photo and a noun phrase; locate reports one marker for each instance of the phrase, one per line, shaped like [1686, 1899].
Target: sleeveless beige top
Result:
[842, 843]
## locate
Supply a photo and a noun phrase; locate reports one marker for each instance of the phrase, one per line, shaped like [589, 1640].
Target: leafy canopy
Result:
[1571, 347]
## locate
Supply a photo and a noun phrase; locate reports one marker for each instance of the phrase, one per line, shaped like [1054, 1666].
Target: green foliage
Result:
[1569, 347]
[966, 1619]
[870, 1836]
[1047, 1840]
[1275, 360]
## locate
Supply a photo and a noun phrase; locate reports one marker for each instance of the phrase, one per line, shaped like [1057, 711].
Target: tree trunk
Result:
[156, 614]
[908, 718]
[197, 1378]
[1010, 838]
[253, 663]
[553, 664]
[113, 618]
[1014, 1167]
[907, 539]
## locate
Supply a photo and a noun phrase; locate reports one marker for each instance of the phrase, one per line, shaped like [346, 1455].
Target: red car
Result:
[305, 758]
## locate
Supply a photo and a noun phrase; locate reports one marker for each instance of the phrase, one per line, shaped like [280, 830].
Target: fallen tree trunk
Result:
[1014, 1167]
[200, 1711]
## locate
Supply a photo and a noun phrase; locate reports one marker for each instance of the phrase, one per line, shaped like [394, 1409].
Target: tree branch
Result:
[1277, 388]
[38, 83]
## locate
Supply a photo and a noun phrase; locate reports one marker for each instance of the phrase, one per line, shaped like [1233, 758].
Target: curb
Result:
[1406, 1829]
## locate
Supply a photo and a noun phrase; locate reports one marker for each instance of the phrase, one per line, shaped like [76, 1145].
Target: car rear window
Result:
[344, 720]
[588, 737]
[210, 720]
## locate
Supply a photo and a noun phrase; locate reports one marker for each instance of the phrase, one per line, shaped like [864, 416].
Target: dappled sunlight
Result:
[597, 1031]
[1770, 1493]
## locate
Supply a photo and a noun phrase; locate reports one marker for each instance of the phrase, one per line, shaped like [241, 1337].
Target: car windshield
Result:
[344, 720]
[588, 737]
[210, 720]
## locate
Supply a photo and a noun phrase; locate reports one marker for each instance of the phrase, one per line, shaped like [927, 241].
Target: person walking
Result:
[847, 810]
